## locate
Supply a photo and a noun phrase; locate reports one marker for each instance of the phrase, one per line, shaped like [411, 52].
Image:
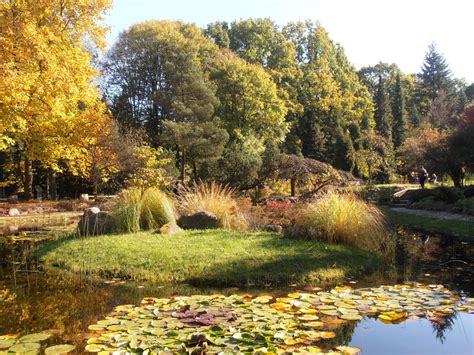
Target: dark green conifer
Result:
[399, 115]
[383, 114]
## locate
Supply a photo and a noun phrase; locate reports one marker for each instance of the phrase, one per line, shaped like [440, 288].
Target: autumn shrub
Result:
[141, 209]
[215, 198]
[344, 219]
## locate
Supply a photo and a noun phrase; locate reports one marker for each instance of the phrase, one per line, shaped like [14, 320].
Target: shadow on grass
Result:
[300, 262]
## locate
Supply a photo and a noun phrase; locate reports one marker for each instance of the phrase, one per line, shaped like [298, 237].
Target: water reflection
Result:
[415, 337]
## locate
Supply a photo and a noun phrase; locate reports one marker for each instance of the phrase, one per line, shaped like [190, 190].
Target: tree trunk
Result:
[293, 187]
[52, 187]
[195, 173]
[456, 177]
[28, 178]
[182, 167]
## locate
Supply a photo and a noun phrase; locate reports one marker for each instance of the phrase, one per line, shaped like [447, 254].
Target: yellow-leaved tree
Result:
[50, 107]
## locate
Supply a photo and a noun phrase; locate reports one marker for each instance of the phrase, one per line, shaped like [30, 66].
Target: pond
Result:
[65, 306]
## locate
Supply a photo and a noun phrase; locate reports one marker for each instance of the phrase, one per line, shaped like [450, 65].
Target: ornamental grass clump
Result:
[215, 198]
[344, 219]
[142, 209]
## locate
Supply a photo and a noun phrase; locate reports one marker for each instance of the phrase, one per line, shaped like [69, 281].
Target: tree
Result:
[441, 113]
[415, 118]
[159, 70]
[399, 115]
[375, 157]
[383, 114]
[46, 79]
[242, 162]
[195, 142]
[435, 74]
[249, 102]
[470, 92]
[460, 143]
[219, 32]
[344, 151]
[305, 172]
[329, 90]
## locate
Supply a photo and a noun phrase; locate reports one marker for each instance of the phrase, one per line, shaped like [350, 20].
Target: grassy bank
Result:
[430, 224]
[212, 257]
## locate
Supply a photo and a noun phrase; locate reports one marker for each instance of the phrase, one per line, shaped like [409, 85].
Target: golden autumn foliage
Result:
[50, 108]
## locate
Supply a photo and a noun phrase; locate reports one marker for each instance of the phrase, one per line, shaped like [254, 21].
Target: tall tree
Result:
[399, 115]
[219, 32]
[249, 102]
[159, 70]
[383, 112]
[47, 94]
[435, 74]
[195, 142]
[415, 118]
[344, 151]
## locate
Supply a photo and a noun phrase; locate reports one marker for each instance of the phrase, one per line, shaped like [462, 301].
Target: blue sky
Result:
[370, 31]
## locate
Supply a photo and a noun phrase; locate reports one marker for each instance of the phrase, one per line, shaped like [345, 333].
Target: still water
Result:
[67, 305]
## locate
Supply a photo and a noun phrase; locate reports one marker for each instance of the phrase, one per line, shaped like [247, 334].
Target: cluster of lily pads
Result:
[31, 344]
[300, 322]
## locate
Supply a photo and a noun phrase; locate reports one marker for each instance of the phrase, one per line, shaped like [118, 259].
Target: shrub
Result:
[465, 206]
[344, 219]
[140, 209]
[215, 198]
[448, 194]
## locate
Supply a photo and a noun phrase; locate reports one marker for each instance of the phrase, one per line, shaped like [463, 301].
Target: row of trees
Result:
[232, 102]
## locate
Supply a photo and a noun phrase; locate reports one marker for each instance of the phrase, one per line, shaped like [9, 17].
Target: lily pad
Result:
[6, 343]
[34, 338]
[59, 349]
[22, 348]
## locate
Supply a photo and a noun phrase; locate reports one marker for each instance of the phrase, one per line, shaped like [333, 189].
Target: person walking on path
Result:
[423, 176]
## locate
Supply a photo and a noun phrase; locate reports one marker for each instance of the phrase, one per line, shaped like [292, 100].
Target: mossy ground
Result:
[209, 258]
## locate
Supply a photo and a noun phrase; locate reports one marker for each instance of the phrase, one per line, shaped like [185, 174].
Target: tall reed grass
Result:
[215, 198]
[344, 219]
[141, 209]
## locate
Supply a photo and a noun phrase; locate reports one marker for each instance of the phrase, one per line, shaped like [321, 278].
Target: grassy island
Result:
[211, 257]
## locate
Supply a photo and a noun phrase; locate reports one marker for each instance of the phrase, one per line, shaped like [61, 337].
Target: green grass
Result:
[209, 258]
[430, 224]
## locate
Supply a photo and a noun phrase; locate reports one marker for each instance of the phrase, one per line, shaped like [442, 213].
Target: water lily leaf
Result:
[31, 348]
[59, 349]
[351, 316]
[6, 343]
[327, 335]
[263, 299]
[349, 350]
[294, 341]
[313, 324]
[331, 312]
[34, 338]
[96, 327]
[94, 348]
[308, 317]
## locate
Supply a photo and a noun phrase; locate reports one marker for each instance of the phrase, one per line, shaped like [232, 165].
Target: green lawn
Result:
[429, 224]
[209, 258]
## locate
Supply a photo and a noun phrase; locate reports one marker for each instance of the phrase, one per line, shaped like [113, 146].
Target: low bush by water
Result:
[215, 198]
[344, 219]
[137, 209]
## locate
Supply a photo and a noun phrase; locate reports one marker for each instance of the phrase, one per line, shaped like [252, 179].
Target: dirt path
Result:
[434, 214]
